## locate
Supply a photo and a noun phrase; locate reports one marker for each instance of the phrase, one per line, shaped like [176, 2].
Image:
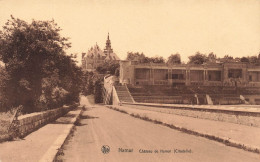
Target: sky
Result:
[156, 28]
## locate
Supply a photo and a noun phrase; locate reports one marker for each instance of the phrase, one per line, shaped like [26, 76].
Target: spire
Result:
[108, 48]
[108, 43]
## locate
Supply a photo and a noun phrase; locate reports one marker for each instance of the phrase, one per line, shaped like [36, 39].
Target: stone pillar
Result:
[126, 72]
[187, 81]
[205, 82]
[150, 75]
[204, 77]
[168, 77]
[151, 79]
[244, 74]
[225, 74]
[133, 75]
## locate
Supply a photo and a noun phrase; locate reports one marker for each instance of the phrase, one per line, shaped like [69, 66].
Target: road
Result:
[102, 126]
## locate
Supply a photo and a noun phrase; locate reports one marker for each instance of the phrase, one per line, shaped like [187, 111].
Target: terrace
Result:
[186, 94]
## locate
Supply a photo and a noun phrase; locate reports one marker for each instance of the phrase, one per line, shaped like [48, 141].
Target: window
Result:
[142, 73]
[178, 76]
[214, 75]
[160, 74]
[181, 76]
[254, 76]
[250, 77]
[197, 75]
[174, 76]
[235, 73]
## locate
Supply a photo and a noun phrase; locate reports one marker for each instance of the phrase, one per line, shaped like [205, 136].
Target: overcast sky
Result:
[161, 27]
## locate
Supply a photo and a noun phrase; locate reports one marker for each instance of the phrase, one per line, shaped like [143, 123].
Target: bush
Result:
[98, 91]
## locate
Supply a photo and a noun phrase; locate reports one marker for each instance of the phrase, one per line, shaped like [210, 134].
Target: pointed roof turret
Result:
[108, 48]
[108, 43]
[108, 51]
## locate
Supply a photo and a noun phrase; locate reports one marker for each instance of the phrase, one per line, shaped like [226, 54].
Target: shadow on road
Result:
[78, 123]
[88, 117]
[62, 122]
[70, 115]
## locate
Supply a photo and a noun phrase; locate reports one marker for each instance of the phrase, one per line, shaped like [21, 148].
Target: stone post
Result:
[187, 81]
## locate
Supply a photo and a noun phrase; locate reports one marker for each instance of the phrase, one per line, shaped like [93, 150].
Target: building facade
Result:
[213, 74]
[96, 56]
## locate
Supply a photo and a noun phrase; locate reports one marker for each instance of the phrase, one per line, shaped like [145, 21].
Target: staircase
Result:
[123, 94]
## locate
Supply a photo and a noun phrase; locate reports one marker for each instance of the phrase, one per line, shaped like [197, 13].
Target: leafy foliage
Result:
[244, 59]
[141, 58]
[98, 91]
[39, 74]
[136, 56]
[174, 59]
[108, 67]
[212, 57]
[157, 59]
[198, 58]
[93, 85]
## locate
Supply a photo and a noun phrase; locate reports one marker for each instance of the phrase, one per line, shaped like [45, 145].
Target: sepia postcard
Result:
[129, 80]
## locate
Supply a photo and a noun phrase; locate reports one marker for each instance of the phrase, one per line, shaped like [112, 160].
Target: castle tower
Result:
[108, 50]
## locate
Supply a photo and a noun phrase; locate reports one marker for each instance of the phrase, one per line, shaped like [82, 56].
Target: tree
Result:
[244, 59]
[198, 58]
[98, 91]
[108, 67]
[90, 86]
[156, 59]
[136, 56]
[102, 69]
[4, 76]
[84, 83]
[38, 68]
[228, 57]
[141, 58]
[88, 79]
[174, 59]
[212, 57]
[112, 67]
[253, 60]
[117, 72]
[70, 76]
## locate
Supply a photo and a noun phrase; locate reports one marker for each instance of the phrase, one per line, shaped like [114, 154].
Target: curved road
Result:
[102, 126]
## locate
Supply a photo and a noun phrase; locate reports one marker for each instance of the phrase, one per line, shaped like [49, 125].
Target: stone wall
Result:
[30, 122]
[231, 116]
[126, 72]
[116, 100]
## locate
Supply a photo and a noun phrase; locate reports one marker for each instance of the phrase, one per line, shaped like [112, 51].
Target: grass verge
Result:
[60, 153]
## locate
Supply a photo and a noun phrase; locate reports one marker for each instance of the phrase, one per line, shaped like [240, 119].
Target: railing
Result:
[142, 82]
[161, 82]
